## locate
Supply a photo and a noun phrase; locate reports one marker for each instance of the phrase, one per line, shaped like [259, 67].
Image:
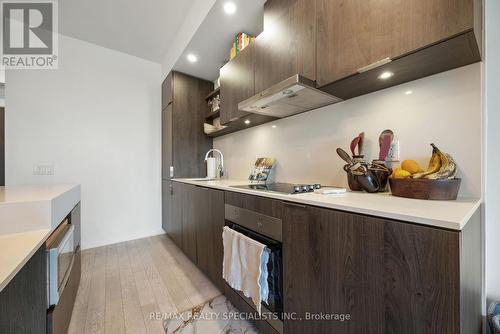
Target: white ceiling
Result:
[141, 28]
[212, 41]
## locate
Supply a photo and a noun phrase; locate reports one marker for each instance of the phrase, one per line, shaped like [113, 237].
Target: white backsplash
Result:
[444, 109]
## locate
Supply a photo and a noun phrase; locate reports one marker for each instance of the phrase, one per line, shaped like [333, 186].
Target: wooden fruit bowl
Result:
[425, 188]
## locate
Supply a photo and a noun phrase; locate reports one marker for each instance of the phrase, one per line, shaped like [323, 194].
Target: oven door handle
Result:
[61, 241]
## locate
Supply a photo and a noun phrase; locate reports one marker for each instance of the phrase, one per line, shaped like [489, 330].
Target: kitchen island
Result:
[28, 217]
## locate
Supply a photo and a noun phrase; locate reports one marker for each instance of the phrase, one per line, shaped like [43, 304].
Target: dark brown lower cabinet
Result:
[370, 275]
[332, 264]
[197, 222]
[23, 302]
[210, 222]
[345, 272]
[166, 201]
[189, 221]
[175, 229]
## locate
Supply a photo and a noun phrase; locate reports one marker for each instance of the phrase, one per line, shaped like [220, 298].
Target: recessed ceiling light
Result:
[247, 121]
[192, 58]
[230, 8]
[409, 92]
[385, 75]
[274, 126]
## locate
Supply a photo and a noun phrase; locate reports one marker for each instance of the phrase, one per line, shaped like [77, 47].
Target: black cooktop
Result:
[284, 188]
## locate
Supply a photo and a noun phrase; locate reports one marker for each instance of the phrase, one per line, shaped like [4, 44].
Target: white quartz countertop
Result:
[31, 208]
[15, 250]
[28, 215]
[444, 214]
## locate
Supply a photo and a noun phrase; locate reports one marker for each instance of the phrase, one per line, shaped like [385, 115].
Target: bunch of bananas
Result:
[441, 166]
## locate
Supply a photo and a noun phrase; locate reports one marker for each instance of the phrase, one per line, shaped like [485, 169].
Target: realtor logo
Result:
[29, 35]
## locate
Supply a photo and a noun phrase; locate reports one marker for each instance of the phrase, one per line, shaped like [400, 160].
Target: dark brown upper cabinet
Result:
[286, 48]
[166, 91]
[287, 45]
[189, 143]
[166, 141]
[344, 46]
[275, 9]
[421, 37]
[184, 143]
[236, 84]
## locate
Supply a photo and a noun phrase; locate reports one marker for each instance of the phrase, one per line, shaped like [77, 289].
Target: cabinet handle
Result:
[374, 65]
[295, 204]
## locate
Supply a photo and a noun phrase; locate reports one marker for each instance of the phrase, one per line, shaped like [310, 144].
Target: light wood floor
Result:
[123, 284]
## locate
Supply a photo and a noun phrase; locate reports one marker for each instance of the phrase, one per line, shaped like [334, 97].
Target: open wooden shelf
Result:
[212, 94]
[221, 132]
[212, 115]
[237, 125]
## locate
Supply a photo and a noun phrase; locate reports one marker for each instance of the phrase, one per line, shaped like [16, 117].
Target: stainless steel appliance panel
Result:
[61, 250]
[266, 225]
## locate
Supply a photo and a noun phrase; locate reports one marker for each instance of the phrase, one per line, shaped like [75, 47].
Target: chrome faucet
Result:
[220, 168]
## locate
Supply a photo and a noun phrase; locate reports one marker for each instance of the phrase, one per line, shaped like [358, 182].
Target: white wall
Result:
[444, 109]
[2, 95]
[492, 107]
[97, 120]
[2, 88]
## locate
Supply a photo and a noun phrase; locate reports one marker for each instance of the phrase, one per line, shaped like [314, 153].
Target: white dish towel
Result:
[245, 266]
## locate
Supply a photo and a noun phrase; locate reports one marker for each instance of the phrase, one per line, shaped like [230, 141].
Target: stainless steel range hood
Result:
[291, 96]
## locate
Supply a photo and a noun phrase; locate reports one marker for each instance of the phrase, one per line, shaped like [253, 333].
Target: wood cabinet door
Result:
[333, 263]
[23, 302]
[166, 200]
[210, 222]
[189, 143]
[420, 23]
[236, 84]
[189, 223]
[175, 230]
[287, 45]
[357, 33]
[389, 277]
[166, 91]
[274, 10]
[166, 142]
[421, 279]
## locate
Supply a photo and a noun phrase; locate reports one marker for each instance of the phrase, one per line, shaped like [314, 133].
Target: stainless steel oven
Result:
[61, 249]
[268, 231]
